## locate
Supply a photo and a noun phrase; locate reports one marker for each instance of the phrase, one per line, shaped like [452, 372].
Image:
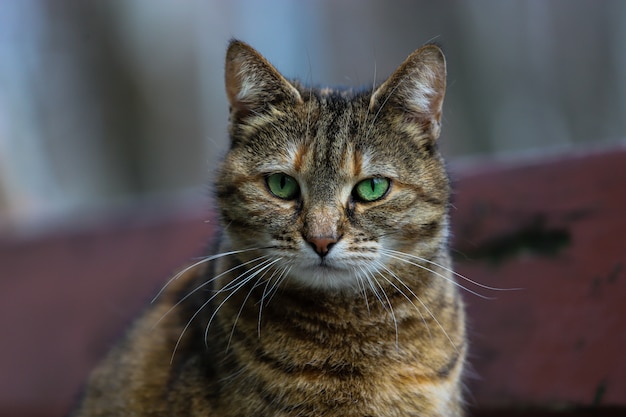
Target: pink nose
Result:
[322, 245]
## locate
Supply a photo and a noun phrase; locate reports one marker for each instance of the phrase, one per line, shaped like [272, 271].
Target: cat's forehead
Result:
[322, 159]
[331, 133]
[345, 133]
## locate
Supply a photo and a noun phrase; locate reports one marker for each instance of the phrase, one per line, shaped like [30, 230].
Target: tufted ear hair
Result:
[416, 89]
[252, 83]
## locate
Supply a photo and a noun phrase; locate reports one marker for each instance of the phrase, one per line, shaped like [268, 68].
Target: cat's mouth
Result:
[329, 266]
[324, 274]
[324, 264]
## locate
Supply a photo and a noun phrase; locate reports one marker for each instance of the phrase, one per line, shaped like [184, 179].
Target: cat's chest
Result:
[309, 392]
[308, 364]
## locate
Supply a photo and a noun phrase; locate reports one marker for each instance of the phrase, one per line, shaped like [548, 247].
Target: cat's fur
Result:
[323, 304]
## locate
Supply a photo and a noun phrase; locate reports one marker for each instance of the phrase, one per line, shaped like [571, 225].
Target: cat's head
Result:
[329, 184]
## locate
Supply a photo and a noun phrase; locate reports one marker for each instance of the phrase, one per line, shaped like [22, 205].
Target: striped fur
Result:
[271, 327]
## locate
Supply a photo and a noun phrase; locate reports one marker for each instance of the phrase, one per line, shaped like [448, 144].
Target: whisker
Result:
[195, 265]
[390, 272]
[393, 314]
[204, 284]
[240, 285]
[463, 277]
[388, 253]
[426, 308]
[432, 39]
[207, 302]
[234, 283]
[272, 290]
[263, 295]
[373, 283]
[370, 282]
[362, 288]
[180, 274]
[232, 331]
[259, 280]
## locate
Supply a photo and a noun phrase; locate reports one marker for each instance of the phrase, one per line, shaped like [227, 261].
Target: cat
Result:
[331, 293]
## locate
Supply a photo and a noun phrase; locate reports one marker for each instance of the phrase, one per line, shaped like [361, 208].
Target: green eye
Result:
[371, 189]
[283, 186]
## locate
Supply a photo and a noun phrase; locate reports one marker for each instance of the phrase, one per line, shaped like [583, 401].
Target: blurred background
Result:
[104, 103]
[113, 112]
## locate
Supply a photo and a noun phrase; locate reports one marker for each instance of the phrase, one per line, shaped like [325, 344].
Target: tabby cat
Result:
[332, 292]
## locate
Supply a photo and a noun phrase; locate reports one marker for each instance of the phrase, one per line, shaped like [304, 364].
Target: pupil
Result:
[283, 181]
[373, 184]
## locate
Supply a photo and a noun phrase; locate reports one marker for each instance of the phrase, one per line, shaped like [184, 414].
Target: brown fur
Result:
[375, 327]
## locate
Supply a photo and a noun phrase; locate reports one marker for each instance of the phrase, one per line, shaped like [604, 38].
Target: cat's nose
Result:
[322, 244]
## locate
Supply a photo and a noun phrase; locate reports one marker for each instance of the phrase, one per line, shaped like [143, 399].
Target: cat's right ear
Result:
[416, 90]
[252, 83]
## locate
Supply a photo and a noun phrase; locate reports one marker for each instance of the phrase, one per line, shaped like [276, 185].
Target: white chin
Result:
[323, 277]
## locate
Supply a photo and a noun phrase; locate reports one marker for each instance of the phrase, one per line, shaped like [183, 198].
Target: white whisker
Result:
[204, 284]
[259, 280]
[272, 290]
[391, 255]
[263, 295]
[370, 282]
[384, 300]
[207, 302]
[404, 295]
[463, 277]
[200, 262]
[253, 273]
[361, 276]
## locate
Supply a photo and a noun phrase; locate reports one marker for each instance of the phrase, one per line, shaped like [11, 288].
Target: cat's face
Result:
[327, 185]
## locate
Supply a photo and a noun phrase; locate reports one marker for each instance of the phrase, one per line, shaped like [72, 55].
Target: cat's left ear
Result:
[416, 89]
[252, 83]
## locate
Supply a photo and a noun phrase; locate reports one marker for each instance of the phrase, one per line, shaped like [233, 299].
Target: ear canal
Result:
[416, 88]
[252, 83]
